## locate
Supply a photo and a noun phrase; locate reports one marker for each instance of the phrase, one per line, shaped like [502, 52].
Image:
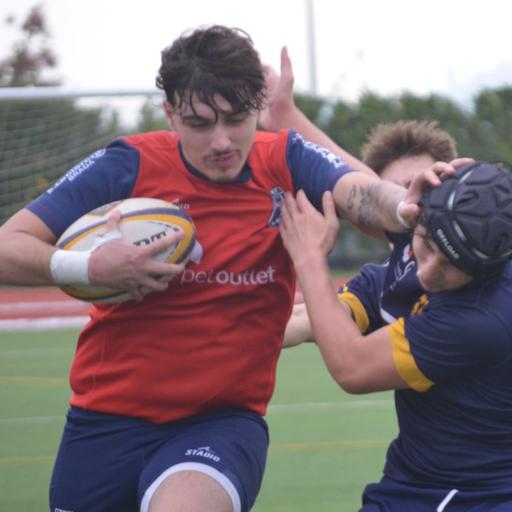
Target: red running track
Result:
[37, 308]
[41, 308]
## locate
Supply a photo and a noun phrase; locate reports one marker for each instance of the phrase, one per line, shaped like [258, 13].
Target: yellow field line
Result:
[32, 380]
[296, 447]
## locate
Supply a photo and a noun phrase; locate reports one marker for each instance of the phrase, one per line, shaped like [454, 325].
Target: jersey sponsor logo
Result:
[61, 510]
[202, 451]
[78, 169]
[180, 204]
[333, 159]
[225, 277]
[277, 196]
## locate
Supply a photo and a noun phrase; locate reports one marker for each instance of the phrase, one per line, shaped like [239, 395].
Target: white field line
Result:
[58, 306]
[40, 324]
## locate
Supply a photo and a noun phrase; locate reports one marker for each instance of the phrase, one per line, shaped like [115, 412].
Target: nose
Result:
[220, 140]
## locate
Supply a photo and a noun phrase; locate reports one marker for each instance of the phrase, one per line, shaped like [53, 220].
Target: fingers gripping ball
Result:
[143, 221]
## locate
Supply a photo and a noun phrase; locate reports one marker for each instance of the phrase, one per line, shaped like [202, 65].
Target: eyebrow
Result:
[191, 118]
[197, 117]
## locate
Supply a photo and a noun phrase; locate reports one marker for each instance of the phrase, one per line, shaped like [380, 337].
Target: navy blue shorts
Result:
[391, 496]
[113, 463]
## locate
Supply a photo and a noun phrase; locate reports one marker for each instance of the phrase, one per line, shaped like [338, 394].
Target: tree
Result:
[493, 124]
[41, 139]
[31, 56]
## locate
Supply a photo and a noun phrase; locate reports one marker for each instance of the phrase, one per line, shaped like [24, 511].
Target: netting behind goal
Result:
[43, 135]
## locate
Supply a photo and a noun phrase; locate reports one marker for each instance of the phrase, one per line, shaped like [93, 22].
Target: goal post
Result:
[44, 131]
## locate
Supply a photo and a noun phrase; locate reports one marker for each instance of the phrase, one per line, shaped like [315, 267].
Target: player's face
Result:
[401, 171]
[215, 143]
[435, 272]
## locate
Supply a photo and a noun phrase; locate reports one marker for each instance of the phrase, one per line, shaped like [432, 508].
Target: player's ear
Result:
[169, 113]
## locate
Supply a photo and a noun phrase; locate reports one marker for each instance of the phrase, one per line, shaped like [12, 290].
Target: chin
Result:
[429, 287]
[227, 176]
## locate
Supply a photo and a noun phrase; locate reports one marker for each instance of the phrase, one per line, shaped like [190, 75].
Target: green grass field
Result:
[325, 445]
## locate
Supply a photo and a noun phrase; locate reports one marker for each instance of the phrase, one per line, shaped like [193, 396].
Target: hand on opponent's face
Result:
[409, 209]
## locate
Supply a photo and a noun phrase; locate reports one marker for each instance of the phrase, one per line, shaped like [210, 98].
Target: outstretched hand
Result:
[279, 94]
[306, 233]
[409, 209]
[115, 263]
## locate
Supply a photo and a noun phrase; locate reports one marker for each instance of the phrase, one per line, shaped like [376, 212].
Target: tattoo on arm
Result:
[351, 197]
[368, 214]
[375, 204]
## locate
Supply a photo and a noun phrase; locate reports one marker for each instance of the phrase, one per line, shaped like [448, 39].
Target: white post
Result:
[311, 46]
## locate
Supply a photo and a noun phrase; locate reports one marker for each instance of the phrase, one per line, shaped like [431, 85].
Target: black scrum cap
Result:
[470, 217]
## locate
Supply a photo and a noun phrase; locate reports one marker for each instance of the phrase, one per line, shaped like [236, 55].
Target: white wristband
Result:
[70, 267]
[400, 219]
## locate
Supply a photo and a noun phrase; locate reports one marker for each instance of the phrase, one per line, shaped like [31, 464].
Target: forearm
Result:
[370, 204]
[298, 329]
[24, 260]
[335, 331]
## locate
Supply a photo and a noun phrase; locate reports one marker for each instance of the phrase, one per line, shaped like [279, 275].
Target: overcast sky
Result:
[447, 46]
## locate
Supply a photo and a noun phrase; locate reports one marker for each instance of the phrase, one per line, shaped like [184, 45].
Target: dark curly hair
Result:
[211, 61]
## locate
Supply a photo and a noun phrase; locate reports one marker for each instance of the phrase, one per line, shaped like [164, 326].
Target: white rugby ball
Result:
[143, 220]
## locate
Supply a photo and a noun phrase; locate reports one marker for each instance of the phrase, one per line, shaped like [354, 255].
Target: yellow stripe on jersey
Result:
[358, 312]
[404, 360]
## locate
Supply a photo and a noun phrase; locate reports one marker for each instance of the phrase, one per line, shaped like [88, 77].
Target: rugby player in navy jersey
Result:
[169, 392]
[434, 324]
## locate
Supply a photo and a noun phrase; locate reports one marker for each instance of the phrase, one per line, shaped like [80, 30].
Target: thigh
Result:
[99, 462]
[191, 490]
[227, 452]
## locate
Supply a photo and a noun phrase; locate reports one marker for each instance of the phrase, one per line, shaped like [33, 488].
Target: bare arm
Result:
[27, 245]
[282, 113]
[369, 203]
[298, 329]
[359, 364]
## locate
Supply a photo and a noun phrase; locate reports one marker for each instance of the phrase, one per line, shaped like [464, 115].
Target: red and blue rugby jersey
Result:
[211, 341]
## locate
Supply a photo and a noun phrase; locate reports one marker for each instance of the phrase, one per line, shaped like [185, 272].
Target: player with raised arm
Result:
[434, 325]
[169, 392]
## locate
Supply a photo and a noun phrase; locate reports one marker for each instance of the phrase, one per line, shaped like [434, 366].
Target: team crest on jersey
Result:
[277, 196]
[420, 305]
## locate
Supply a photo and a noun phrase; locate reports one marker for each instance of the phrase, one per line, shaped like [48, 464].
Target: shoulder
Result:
[270, 141]
[472, 323]
[269, 150]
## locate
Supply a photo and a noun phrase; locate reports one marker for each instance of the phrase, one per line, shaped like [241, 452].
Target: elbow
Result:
[350, 382]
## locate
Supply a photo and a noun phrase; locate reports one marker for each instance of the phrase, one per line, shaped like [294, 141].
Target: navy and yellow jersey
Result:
[454, 349]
